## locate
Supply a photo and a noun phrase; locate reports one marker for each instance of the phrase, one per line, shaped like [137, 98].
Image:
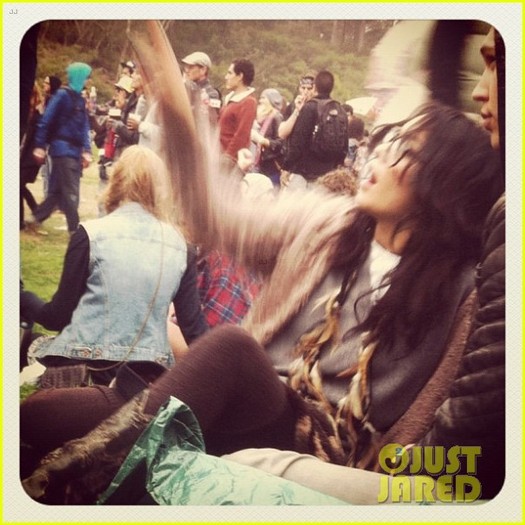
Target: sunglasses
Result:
[397, 148]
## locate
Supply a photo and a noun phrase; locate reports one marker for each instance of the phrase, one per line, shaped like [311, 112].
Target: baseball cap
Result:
[198, 58]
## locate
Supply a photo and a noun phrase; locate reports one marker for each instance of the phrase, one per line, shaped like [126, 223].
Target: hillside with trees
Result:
[281, 50]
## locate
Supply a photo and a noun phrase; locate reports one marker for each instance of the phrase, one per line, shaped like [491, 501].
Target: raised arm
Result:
[212, 205]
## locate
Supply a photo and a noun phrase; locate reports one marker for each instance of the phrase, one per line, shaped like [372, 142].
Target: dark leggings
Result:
[226, 379]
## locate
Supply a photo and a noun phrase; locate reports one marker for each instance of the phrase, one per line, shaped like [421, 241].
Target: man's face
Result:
[306, 90]
[486, 91]
[233, 80]
[194, 72]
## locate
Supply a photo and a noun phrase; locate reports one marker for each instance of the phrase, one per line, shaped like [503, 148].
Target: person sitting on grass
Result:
[120, 274]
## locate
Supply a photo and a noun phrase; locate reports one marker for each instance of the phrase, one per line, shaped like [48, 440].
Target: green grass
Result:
[42, 257]
[26, 391]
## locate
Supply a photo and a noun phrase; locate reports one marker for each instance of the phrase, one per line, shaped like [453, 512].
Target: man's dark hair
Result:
[324, 82]
[244, 66]
[349, 110]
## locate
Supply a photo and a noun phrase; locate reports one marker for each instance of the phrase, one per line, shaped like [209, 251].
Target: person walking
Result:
[64, 126]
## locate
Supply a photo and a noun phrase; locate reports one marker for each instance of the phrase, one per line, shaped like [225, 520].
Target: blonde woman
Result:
[265, 137]
[121, 272]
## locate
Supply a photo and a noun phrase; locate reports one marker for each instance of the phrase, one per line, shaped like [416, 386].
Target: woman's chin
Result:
[360, 198]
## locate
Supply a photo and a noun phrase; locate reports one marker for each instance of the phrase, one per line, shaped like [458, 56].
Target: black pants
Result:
[63, 191]
[226, 379]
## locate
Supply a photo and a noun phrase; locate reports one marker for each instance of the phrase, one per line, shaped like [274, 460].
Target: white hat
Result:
[197, 59]
[125, 83]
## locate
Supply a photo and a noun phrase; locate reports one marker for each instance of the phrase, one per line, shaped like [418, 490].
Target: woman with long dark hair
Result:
[362, 320]
[361, 323]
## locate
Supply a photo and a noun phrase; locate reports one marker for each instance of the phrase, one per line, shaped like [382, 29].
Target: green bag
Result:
[168, 466]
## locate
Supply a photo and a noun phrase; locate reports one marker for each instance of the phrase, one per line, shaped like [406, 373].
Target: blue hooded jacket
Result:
[64, 126]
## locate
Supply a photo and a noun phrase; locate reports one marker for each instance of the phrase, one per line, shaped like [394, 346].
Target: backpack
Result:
[330, 135]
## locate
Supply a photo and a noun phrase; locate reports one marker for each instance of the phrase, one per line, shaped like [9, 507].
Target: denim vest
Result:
[129, 248]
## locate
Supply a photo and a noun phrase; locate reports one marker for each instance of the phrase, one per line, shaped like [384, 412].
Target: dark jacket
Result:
[64, 125]
[272, 156]
[125, 136]
[474, 414]
[214, 96]
[299, 157]
[29, 168]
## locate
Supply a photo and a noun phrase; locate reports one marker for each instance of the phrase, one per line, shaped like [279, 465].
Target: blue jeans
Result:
[63, 191]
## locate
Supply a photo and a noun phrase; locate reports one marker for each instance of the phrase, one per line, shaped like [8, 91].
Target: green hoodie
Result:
[77, 74]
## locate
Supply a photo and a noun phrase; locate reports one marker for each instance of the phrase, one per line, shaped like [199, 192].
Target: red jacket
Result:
[236, 121]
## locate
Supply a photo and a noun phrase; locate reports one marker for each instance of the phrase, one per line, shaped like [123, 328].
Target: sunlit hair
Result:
[456, 181]
[141, 176]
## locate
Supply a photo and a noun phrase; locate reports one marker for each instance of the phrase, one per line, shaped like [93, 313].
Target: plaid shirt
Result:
[226, 290]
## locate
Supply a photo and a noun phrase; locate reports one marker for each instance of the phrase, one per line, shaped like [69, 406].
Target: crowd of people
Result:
[267, 133]
[333, 289]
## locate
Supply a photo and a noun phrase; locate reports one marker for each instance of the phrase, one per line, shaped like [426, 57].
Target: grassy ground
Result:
[42, 256]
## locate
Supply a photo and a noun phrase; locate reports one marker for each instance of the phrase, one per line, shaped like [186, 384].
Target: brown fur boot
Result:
[79, 471]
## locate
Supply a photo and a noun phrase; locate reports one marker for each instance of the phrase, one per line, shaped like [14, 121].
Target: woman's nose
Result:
[480, 93]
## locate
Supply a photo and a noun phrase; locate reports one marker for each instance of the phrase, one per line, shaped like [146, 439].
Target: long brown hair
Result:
[457, 182]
